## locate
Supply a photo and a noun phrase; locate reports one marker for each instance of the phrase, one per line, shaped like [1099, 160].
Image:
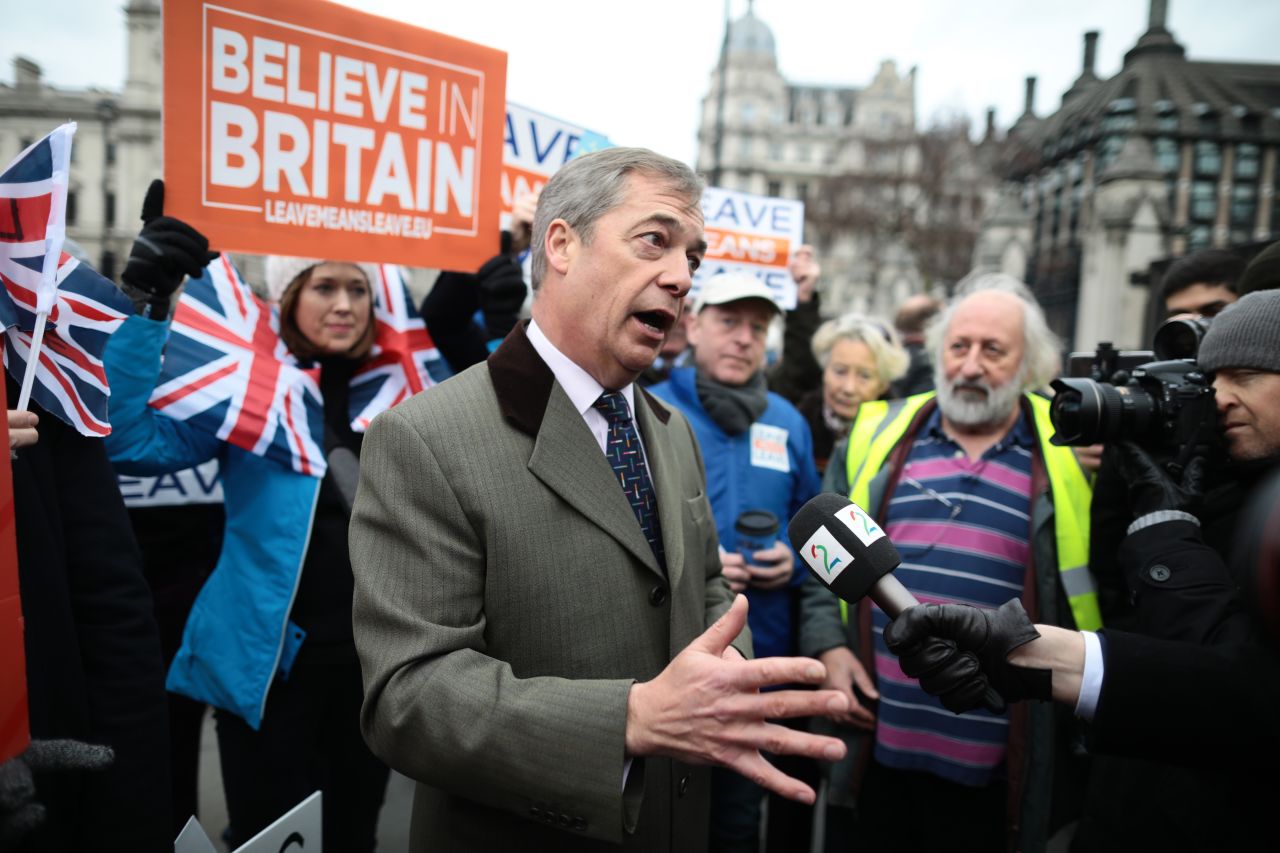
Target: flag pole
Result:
[29, 375]
[55, 234]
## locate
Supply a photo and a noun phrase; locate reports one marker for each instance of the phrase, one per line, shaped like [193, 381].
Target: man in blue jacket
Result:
[759, 456]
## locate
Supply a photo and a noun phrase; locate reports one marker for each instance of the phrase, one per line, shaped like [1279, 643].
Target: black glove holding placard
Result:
[502, 291]
[166, 251]
[1152, 488]
[958, 651]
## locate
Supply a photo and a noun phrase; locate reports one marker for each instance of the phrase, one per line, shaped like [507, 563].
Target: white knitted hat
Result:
[282, 269]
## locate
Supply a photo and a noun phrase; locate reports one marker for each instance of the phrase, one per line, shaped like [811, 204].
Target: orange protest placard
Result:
[300, 127]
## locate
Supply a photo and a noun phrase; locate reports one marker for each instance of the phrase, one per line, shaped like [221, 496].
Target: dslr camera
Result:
[1160, 400]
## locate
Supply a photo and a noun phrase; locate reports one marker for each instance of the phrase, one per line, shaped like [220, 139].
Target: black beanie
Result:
[1245, 335]
[1263, 272]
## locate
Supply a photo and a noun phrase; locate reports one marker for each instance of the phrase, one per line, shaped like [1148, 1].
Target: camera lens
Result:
[1179, 338]
[1086, 412]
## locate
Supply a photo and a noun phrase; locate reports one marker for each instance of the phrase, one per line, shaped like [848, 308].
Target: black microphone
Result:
[846, 550]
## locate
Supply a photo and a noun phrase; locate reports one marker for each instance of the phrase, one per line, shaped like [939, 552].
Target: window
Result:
[802, 153]
[775, 152]
[1204, 201]
[774, 189]
[111, 153]
[107, 266]
[1208, 121]
[1208, 159]
[1244, 206]
[71, 207]
[1167, 154]
[1247, 160]
[1108, 148]
[802, 191]
[1198, 237]
[748, 112]
[109, 209]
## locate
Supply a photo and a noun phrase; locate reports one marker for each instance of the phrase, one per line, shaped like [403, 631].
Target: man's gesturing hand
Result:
[706, 709]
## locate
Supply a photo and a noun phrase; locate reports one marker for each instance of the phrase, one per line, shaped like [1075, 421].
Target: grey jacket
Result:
[506, 601]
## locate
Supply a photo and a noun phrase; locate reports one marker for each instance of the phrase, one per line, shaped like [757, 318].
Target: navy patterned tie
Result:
[622, 448]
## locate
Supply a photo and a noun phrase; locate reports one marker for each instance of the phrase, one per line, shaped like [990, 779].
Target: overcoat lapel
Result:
[533, 402]
[654, 423]
[566, 458]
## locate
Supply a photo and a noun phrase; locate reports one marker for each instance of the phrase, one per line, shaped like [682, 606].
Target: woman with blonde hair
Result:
[859, 357]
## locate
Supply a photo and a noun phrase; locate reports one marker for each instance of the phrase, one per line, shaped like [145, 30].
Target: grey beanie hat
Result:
[1245, 335]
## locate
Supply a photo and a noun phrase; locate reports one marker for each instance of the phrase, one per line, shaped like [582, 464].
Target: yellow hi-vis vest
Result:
[879, 427]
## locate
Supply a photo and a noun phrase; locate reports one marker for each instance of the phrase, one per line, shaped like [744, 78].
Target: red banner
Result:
[14, 734]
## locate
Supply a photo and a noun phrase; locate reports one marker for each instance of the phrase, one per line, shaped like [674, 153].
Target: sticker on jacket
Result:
[769, 448]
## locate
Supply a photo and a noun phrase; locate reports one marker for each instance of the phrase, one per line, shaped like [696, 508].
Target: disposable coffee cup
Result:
[757, 530]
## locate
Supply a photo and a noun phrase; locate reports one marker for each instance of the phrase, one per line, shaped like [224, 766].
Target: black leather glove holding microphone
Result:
[166, 251]
[960, 654]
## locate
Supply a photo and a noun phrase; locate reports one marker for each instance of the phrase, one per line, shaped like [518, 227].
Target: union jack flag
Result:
[404, 359]
[227, 371]
[83, 307]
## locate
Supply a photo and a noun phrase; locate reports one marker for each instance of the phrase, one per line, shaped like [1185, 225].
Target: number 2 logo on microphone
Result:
[827, 563]
[825, 555]
[863, 526]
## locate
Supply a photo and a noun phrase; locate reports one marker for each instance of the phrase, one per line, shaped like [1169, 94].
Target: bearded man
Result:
[982, 508]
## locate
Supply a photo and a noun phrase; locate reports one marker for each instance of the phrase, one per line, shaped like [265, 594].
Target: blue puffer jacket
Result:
[238, 634]
[744, 472]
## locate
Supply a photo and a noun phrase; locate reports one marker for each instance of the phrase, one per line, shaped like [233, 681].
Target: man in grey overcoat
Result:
[547, 644]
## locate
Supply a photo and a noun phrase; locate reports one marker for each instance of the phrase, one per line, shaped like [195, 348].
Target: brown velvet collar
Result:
[522, 382]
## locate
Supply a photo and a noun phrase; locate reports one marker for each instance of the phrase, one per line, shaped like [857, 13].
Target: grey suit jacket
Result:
[505, 602]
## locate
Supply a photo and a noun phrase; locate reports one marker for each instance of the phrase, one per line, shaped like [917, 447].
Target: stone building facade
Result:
[891, 210]
[1168, 156]
[116, 151]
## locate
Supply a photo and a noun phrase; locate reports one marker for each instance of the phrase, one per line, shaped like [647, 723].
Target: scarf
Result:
[734, 408]
[839, 426]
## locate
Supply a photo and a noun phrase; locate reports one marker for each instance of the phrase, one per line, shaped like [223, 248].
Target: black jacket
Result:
[94, 671]
[1189, 704]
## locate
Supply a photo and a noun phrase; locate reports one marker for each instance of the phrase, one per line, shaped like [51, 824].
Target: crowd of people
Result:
[557, 590]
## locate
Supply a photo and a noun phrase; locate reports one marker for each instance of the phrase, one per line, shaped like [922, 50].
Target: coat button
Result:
[1159, 574]
[579, 824]
[535, 813]
[565, 821]
[658, 595]
[684, 785]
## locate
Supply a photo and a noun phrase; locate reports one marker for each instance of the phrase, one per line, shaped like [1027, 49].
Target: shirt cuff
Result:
[1091, 681]
[1160, 517]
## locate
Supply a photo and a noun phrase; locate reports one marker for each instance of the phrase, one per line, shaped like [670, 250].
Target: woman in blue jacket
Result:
[269, 641]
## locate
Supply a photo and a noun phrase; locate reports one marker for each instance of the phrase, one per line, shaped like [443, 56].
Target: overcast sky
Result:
[637, 72]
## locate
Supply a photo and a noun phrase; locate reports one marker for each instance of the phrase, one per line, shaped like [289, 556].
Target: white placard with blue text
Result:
[198, 485]
[752, 233]
[535, 146]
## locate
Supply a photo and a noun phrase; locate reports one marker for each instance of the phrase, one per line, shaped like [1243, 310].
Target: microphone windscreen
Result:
[842, 545]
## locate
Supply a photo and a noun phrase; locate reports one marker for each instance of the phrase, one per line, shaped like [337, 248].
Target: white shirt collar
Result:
[582, 388]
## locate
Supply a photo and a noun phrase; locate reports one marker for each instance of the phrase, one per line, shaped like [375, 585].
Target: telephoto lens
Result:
[1085, 412]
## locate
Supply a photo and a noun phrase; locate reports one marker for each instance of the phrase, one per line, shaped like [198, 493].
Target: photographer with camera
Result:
[1200, 641]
